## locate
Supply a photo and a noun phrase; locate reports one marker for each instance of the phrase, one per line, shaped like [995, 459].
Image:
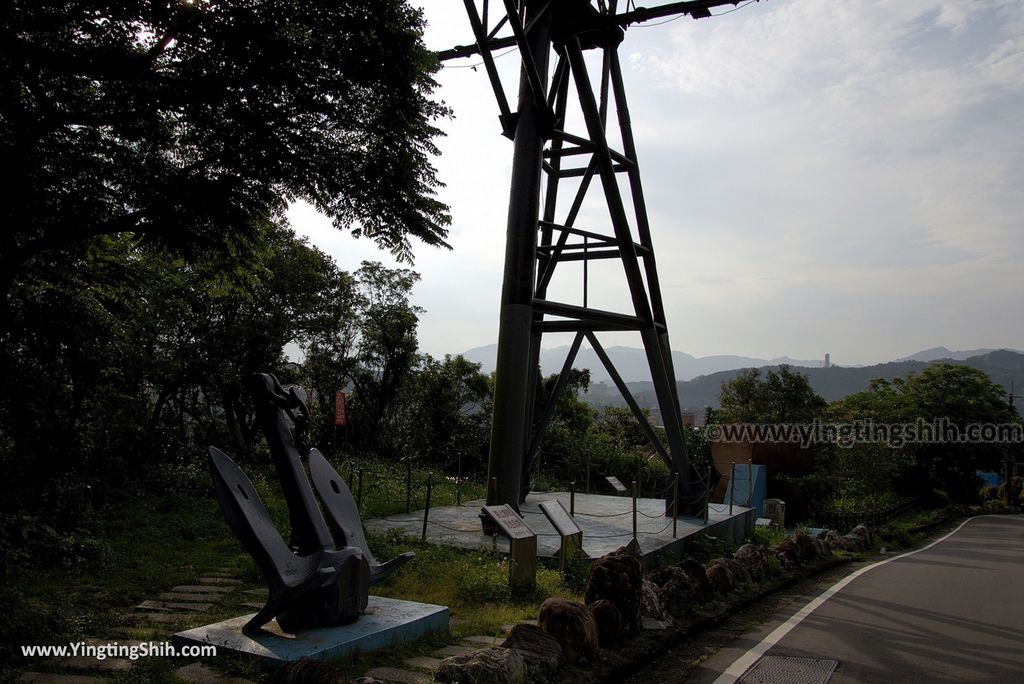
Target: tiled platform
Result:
[386, 622]
[606, 521]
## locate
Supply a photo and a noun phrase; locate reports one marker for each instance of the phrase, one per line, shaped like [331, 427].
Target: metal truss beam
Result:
[537, 238]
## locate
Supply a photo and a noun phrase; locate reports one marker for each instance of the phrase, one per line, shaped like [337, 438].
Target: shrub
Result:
[485, 583]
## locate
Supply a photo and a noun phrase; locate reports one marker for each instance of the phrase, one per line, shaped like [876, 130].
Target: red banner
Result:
[339, 408]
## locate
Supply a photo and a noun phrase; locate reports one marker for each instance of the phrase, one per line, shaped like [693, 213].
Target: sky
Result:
[820, 177]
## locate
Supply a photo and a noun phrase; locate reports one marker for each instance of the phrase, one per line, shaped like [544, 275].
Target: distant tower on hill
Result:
[828, 361]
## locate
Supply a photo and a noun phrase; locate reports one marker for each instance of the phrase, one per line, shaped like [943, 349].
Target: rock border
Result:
[636, 654]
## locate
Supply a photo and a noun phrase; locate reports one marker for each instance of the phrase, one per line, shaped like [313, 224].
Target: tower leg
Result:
[514, 371]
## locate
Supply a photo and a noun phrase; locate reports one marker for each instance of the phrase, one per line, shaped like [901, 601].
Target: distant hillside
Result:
[833, 383]
[937, 353]
[631, 362]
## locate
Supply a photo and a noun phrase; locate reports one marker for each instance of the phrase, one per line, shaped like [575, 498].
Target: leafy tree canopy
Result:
[188, 122]
[780, 397]
[958, 394]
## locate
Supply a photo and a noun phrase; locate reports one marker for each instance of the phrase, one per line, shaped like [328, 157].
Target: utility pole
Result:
[1011, 469]
[543, 236]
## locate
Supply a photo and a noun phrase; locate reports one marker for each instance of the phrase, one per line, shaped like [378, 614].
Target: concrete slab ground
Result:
[606, 521]
[386, 622]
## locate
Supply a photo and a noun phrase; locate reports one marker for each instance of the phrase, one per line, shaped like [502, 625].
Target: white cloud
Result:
[820, 176]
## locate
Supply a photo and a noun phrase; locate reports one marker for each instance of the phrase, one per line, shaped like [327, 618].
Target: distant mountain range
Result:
[937, 353]
[1003, 366]
[700, 378]
[631, 362]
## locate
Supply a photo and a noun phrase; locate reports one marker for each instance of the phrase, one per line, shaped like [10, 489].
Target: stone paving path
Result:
[421, 669]
[184, 602]
[172, 607]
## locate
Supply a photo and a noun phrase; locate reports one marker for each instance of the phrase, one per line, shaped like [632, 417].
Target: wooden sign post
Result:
[568, 530]
[522, 545]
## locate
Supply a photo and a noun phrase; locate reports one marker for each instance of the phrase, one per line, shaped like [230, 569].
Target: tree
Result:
[214, 323]
[439, 417]
[781, 397]
[190, 123]
[69, 373]
[963, 396]
[620, 447]
[939, 397]
[123, 356]
[564, 444]
[862, 469]
[371, 350]
[386, 347]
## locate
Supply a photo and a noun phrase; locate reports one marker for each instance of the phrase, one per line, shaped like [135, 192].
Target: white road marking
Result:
[745, 661]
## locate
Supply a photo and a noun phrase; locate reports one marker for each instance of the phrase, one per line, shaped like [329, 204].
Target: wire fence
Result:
[386, 489]
[846, 519]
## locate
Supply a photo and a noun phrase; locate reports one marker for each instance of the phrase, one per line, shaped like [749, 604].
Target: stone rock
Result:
[618, 577]
[851, 543]
[721, 578]
[754, 558]
[572, 625]
[541, 651]
[650, 601]
[832, 541]
[739, 573]
[805, 551]
[609, 623]
[676, 588]
[495, 665]
[863, 533]
[650, 624]
[308, 670]
[699, 575]
[786, 552]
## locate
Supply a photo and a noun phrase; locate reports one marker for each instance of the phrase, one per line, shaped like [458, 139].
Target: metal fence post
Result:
[634, 509]
[732, 486]
[707, 498]
[359, 495]
[572, 498]
[750, 482]
[675, 505]
[426, 509]
[588, 472]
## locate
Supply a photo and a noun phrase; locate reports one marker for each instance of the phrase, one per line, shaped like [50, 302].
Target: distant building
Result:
[828, 360]
[690, 418]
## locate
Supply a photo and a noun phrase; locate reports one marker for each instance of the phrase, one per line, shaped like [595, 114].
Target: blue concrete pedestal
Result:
[387, 622]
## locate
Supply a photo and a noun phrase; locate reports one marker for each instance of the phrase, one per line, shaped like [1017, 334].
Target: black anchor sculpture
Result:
[325, 581]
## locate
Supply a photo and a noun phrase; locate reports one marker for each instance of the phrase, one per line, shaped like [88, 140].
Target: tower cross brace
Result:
[538, 235]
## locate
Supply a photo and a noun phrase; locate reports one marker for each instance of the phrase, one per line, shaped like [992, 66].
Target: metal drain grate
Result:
[785, 670]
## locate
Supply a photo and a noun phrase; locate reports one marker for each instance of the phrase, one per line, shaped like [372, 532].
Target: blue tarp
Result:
[745, 494]
[989, 479]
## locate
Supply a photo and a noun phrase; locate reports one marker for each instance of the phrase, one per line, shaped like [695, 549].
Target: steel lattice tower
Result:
[552, 37]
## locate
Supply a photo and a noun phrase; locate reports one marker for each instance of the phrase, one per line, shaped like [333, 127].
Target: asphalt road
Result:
[950, 612]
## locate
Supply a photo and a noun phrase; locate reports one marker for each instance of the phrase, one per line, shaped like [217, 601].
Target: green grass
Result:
[149, 545]
[767, 536]
[145, 547]
[473, 584]
[385, 485]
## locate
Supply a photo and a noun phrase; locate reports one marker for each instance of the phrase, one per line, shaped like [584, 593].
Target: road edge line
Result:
[740, 666]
